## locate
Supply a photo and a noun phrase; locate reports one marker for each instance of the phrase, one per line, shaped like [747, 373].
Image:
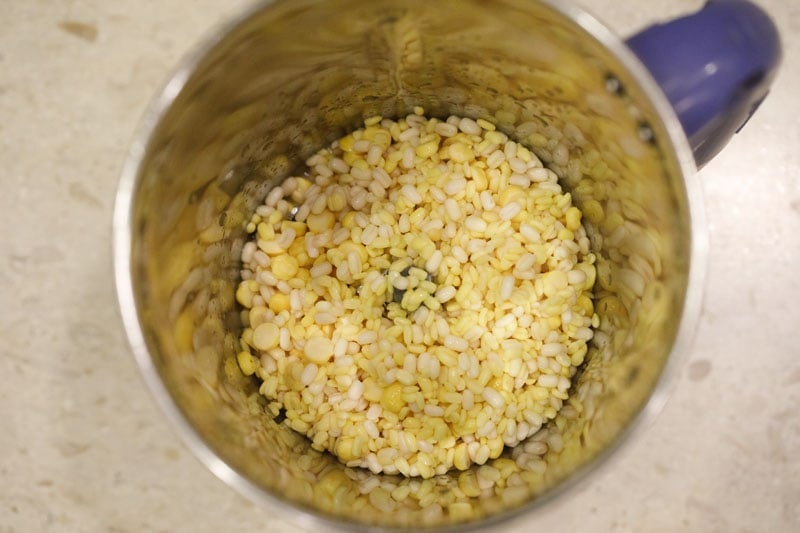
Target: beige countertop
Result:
[83, 446]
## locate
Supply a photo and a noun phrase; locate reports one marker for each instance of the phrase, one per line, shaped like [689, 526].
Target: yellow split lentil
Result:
[420, 299]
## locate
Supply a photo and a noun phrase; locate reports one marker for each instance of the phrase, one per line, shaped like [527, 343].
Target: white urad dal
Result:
[420, 299]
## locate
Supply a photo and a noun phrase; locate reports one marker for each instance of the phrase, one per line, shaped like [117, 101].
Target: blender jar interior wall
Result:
[296, 75]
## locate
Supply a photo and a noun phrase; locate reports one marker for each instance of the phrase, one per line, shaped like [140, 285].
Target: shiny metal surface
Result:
[245, 110]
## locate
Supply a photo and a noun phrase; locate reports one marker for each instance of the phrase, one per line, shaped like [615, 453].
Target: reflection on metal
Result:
[244, 113]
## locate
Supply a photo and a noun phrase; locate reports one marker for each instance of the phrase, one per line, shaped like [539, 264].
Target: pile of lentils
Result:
[420, 298]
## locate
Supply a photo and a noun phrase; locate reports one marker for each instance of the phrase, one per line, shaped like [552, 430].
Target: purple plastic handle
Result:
[715, 67]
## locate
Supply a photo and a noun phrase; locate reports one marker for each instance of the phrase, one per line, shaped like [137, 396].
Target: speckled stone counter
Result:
[83, 446]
